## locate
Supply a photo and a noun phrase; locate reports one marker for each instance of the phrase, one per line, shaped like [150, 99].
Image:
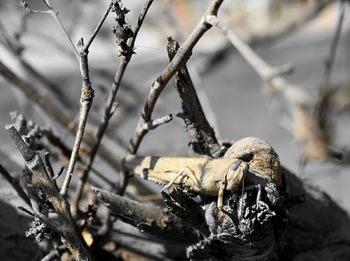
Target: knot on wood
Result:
[87, 94]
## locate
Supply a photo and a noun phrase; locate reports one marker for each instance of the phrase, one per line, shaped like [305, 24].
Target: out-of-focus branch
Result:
[109, 150]
[264, 70]
[201, 134]
[15, 184]
[42, 100]
[294, 95]
[304, 126]
[14, 48]
[159, 84]
[211, 62]
[322, 102]
[132, 239]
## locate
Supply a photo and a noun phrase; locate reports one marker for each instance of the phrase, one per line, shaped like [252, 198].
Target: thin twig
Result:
[85, 105]
[61, 115]
[86, 99]
[210, 64]
[140, 20]
[320, 105]
[159, 84]
[271, 75]
[98, 27]
[15, 184]
[87, 92]
[110, 104]
[54, 14]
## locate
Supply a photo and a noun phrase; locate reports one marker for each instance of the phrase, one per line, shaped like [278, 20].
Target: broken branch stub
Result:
[46, 196]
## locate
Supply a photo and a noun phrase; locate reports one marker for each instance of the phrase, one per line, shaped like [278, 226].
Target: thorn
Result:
[59, 173]
[26, 211]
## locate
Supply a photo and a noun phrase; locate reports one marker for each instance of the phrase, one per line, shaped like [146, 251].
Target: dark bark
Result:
[201, 134]
[305, 223]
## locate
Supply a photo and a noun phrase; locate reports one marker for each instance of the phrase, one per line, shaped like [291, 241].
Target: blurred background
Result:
[233, 96]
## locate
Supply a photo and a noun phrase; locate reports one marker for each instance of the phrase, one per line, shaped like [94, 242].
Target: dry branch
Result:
[41, 181]
[126, 41]
[322, 106]
[201, 134]
[109, 150]
[152, 219]
[304, 126]
[181, 57]
[270, 36]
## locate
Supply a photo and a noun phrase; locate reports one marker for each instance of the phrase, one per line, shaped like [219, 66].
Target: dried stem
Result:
[159, 84]
[54, 14]
[110, 104]
[320, 105]
[210, 64]
[268, 73]
[62, 116]
[87, 92]
[201, 134]
[86, 99]
[109, 150]
[98, 27]
[15, 184]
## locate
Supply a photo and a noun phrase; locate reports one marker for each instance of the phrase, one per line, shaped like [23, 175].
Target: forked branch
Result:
[181, 57]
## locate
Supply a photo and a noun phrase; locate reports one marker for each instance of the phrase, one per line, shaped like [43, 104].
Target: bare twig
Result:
[125, 40]
[109, 150]
[85, 105]
[264, 38]
[321, 104]
[15, 184]
[87, 92]
[132, 239]
[140, 20]
[159, 84]
[54, 14]
[99, 25]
